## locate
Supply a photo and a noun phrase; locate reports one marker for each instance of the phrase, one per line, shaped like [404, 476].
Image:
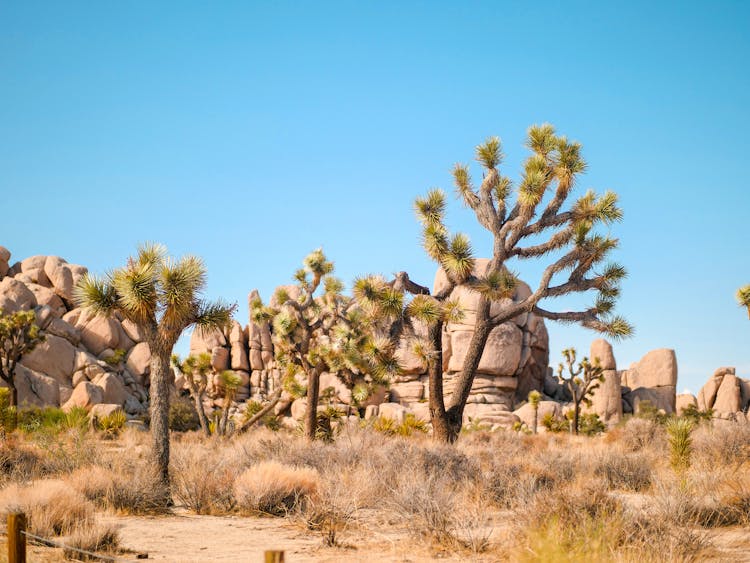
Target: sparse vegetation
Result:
[19, 335]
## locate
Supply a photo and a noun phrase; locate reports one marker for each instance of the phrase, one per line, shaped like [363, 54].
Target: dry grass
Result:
[492, 496]
[273, 488]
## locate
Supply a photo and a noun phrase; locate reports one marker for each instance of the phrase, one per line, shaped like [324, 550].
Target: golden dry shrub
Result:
[52, 507]
[273, 488]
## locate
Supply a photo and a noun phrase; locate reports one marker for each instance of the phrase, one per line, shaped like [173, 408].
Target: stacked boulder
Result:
[652, 379]
[84, 360]
[727, 395]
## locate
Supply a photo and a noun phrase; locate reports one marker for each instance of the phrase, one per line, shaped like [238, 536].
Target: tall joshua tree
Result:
[538, 220]
[581, 380]
[19, 334]
[162, 296]
[743, 298]
[316, 332]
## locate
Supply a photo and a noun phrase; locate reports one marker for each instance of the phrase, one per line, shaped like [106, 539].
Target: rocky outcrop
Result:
[606, 401]
[69, 367]
[652, 379]
[727, 395]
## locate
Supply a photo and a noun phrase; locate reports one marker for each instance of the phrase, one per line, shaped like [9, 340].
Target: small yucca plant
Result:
[112, 424]
[535, 397]
[679, 431]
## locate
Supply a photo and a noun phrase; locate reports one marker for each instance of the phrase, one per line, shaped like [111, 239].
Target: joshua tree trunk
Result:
[441, 431]
[273, 401]
[159, 395]
[576, 416]
[225, 416]
[311, 416]
[536, 417]
[461, 393]
[13, 394]
[198, 398]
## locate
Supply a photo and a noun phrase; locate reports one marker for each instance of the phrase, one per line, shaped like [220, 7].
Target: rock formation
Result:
[653, 379]
[85, 360]
[726, 394]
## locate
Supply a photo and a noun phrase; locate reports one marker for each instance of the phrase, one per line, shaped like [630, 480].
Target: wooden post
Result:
[274, 556]
[16, 537]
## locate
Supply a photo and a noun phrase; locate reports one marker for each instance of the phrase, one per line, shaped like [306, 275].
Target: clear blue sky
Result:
[253, 132]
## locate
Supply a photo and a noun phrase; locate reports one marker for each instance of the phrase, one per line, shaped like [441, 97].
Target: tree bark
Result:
[275, 398]
[439, 418]
[482, 330]
[159, 396]
[311, 416]
[536, 417]
[201, 414]
[576, 413]
[13, 393]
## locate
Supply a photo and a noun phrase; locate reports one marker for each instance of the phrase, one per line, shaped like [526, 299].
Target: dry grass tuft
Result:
[273, 488]
[52, 507]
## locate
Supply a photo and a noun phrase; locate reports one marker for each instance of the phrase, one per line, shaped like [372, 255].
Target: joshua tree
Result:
[19, 334]
[163, 297]
[581, 380]
[535, 398]
[196, 370]
[230, 384]
[543, 223]
[321, 333]
[679, 432]
[743, 297]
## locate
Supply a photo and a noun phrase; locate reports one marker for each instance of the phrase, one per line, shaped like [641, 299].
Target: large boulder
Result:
[139, 359]
[653, 378]
[85, 395]
[45, 296]
[113, 391]
[60, 328]
[728, 396]
[63, 276]
[4, 259]
[33, 270]
[517, 349]
[606, 400]
[685, 400]
[100, 333]
[35, 388]
[54, 357]
[15, 296]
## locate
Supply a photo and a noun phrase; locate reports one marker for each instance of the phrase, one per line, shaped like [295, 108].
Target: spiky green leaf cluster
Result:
[496, 285]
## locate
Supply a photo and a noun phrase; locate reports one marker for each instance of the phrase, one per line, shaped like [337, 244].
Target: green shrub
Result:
[112, 424]
[679, 432]
[692, 413]
[589, 424]
[117, 356]
[182, 415]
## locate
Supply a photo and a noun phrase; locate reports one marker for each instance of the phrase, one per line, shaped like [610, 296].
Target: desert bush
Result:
[428, 505]
[127, 485]
[18, 461]
[725, 444]
[273, 488]
[182, 415]
[203, 477]
[630, 472]
[52, 507]
[92, 537]
[7, 412]
[331, 511]
[637, 434]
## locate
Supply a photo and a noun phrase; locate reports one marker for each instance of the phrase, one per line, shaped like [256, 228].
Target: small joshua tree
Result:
[196, 370]
[743, 298]
[316, 332]
[19, 334]
[581, 380]
[230, 384]
[535, 397]
[163, 297]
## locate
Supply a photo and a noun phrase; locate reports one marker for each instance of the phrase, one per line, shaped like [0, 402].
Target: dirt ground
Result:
[187, 538]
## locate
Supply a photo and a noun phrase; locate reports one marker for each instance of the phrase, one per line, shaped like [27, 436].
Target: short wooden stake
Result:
[16, 537]
[274, 556]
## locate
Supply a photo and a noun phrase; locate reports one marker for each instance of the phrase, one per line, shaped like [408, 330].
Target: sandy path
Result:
[188, 538]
